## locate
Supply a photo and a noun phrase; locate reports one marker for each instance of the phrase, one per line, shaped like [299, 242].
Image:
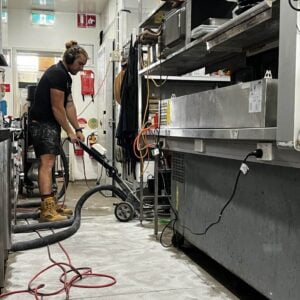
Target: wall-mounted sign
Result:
[93, 123]
[90, 20]
[86, 20]
[42, 18]
[81, 20]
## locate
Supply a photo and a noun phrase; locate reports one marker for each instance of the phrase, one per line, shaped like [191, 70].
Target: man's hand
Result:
[72, 137]
[80, 136]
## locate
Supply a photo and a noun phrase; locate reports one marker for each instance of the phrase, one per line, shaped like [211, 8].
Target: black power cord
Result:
[172, 221]
[292, 6]
[258, 153]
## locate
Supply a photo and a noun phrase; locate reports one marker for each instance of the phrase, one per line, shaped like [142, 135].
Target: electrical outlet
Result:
[267, 149]
[198, 145]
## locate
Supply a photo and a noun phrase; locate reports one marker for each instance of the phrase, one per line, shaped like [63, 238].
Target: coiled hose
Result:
[64, 234]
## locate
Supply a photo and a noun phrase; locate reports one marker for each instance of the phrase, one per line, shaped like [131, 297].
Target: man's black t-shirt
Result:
[56, 77]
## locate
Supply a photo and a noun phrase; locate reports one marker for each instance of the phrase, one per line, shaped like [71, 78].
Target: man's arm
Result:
[57, 104]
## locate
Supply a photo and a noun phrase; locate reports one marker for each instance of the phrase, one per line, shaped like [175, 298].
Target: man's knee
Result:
[47, 161]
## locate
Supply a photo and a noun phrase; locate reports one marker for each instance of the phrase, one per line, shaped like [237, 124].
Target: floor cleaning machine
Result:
[124, 210]
[130, 206]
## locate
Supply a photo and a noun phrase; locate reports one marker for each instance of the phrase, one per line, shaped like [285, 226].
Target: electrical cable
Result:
[64, 183]
[243, 170]
[141, 138]
[163, 231]
[160, 98]
[100, 177]
[67, 284]
[84, 173]
[172, 220]
[159, 85]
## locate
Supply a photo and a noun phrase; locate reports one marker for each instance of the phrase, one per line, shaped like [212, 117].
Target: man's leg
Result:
[49, 207]
[45, 173]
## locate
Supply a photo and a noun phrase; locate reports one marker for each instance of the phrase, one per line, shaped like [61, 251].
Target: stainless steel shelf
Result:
[250, 30]
[191, 78]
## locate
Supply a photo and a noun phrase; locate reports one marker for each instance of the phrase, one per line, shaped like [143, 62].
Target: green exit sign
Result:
[43, 18]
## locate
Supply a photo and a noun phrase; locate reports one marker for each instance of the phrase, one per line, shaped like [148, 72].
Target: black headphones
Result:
[71, 54]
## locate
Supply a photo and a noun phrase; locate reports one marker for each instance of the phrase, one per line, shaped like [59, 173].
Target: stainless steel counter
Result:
[5, 209]
[4, 134]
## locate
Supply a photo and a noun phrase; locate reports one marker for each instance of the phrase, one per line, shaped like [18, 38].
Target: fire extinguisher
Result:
[78, 151]
[87, 83]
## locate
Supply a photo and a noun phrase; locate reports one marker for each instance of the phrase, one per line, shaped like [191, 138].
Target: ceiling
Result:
[71, 6]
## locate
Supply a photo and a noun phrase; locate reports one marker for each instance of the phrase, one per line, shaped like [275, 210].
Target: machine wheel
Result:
[124, 211]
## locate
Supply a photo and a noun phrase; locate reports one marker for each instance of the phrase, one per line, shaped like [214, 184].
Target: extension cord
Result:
[100, 149]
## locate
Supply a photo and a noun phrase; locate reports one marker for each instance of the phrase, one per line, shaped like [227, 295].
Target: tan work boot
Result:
[48, 211]
[63, 210]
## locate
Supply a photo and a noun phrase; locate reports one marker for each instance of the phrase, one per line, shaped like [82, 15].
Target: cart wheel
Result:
[124, 211]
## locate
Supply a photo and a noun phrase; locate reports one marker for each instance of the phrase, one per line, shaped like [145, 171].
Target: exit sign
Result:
[86, 20]
[42, 18]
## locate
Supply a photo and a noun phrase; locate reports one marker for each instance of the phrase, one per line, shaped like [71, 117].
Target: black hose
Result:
[66, 177]
[28, 215]
[38, 226]
[64, 234]
[29, 203]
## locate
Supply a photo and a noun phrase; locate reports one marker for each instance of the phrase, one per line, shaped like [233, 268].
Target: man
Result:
[53, 109]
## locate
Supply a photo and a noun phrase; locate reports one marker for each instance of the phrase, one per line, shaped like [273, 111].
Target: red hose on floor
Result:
[80, 274]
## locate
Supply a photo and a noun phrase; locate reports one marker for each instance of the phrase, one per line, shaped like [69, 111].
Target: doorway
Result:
[30, 66]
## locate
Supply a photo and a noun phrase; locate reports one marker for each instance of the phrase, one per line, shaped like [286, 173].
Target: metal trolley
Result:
[130, 205]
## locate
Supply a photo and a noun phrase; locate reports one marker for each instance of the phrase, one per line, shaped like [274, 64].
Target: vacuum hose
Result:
[44, 225]
[27, 215]
[74, 222]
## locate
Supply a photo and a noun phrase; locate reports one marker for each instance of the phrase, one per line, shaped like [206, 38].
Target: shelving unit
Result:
[173, 85]
[247, 31]
[258, 233]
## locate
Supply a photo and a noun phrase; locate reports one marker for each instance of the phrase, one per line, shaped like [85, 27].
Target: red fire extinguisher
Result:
[77, 149]
[87, 83]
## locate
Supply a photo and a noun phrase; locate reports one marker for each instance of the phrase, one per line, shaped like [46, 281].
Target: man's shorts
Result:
[45, 137]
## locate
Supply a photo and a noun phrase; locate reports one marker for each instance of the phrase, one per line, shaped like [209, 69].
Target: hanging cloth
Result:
[128, 119]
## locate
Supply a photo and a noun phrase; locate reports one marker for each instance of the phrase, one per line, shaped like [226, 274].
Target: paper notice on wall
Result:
[255, 97]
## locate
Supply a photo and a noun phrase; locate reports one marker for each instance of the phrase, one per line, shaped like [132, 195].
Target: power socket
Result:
[199, 146]
[267, 149]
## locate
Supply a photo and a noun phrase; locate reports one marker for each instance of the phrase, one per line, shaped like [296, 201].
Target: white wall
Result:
[108, 19]
[21, 33]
